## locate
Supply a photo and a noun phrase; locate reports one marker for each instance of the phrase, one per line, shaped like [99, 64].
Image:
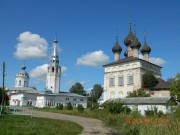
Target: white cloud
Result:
[93, 59]
[40, 72]
[157, 61]
[31, 46]
[63, 69]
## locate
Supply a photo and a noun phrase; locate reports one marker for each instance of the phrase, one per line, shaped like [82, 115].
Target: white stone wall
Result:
[125, 70]
[143, 108]
[22, 99]
[161, 93]
[135, 68]
[53, 101]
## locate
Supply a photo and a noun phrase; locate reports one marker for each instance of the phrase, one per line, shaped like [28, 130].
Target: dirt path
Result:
[91, 126]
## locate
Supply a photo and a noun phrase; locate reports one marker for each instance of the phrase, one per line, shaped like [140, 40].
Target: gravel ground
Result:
[91, 126]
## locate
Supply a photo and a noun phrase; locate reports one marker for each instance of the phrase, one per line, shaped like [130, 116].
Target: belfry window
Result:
[19, 82]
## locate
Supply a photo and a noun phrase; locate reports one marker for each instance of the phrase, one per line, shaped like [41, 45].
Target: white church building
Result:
[51, 96]
[125, 74]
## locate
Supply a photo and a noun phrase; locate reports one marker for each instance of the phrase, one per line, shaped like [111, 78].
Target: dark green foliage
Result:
[116, 107]
[154, 112]
[138, 93]
[3, 93]
[78, 89]
[126, 110]
[149, 80]
[176, 113]
[96, 92]
[80, 108]
[69, 106]
[135, 114]
[175, 86]
[59, 107]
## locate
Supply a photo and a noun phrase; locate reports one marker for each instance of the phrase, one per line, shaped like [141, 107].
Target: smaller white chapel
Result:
[51, 96]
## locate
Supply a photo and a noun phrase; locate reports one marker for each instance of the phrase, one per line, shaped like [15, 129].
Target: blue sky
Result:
[86, 34]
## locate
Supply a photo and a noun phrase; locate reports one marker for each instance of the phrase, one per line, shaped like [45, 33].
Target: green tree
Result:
[3, 94]
[149, 80]
[138, 93]
[78, 89]
[96, 92]
[175, 86]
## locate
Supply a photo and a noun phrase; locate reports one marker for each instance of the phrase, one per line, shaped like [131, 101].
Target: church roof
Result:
[64, 94]
[143, 100]
[162, 85]
[116, 48]
[23, 72]
[22, 89]
[128, 59]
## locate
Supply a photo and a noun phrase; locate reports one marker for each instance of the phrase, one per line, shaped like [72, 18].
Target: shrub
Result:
[69, 106]
[135, 114]
[59, 107]
[126, 110]
[114, 107]
[80, 108]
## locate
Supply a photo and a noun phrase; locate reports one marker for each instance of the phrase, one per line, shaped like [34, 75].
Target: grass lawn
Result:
[130, 124]
[24, 125]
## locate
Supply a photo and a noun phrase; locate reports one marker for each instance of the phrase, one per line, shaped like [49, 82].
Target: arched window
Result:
[112, 95]
[52, 69]
[120, 95]
[19, 82]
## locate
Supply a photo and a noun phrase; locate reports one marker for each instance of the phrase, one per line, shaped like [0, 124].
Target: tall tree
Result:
[96, 92]
[175, 86]
[78, 89]
[149, 80]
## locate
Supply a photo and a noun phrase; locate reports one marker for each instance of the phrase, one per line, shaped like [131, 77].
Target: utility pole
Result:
[3, 76]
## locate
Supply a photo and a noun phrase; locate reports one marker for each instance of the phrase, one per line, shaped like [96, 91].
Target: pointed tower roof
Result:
[55, 51]
[116, 47]
[129, 38]
[145, 48]
[135, 43]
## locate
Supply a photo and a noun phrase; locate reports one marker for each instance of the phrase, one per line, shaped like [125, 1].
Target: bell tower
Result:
[54, 71]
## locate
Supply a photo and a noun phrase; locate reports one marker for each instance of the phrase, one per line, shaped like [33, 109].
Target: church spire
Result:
[55, 52]
[54, 70]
